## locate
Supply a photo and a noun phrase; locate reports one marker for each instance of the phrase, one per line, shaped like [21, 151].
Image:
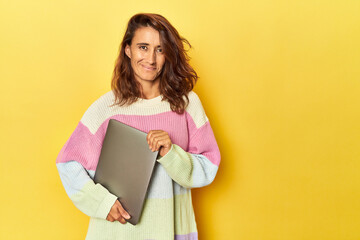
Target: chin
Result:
[149, 79]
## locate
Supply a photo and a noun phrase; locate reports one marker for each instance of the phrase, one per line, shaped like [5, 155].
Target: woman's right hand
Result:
[117, 213]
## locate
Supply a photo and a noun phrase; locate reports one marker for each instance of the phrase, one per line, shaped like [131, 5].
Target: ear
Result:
[127, 51]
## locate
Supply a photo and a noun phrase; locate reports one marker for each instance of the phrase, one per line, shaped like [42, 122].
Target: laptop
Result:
[125, 166]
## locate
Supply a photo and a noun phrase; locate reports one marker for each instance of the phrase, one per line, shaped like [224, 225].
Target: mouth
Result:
[149, 68]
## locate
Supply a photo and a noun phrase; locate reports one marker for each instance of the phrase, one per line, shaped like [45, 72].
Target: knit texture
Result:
[192, 162]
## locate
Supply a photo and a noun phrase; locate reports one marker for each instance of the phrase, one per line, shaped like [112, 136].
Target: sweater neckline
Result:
[150, 102]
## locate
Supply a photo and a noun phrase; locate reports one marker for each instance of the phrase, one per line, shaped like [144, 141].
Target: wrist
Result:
[164, 151]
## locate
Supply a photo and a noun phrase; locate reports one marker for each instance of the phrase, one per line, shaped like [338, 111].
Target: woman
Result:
[151, 91]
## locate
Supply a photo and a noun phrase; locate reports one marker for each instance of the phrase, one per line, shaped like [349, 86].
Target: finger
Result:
[113, 211]
[110, 218]
[122, 220]
[156, 138]
[163, 142]
[160, 136]
[150, 138]
[151, 133]
[153, 143]
[116, 214]
[122, 211]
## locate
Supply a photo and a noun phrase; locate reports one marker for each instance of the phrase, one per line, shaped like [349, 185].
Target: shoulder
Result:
[193, 98]
[196, 110]
[100, 105]
[98, 111]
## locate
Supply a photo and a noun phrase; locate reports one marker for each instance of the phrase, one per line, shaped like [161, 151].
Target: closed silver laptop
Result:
[125, 166]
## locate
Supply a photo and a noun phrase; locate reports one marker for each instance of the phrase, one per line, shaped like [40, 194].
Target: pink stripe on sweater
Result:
[82, 146]
[204, 142]
[85, 147]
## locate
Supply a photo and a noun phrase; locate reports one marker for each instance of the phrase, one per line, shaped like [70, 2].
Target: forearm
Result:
[187, 169]
[92, 199]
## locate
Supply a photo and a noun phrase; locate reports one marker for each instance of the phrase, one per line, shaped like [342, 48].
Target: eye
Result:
[160, 50]
[143, 47]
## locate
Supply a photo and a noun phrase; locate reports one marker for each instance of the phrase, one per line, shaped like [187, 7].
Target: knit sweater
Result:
[192, 162]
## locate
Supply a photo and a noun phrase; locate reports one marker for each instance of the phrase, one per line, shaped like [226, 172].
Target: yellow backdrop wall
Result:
[279, 81]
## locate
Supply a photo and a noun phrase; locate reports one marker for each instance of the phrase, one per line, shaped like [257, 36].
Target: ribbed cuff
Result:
[170, 154]
[106, 205]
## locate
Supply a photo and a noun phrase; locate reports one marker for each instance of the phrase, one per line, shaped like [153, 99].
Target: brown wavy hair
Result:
[177, 77]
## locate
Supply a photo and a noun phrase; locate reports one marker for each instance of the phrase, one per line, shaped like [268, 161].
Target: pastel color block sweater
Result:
[192, 162]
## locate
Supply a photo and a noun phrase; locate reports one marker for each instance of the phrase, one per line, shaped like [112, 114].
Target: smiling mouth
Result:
[148, 68]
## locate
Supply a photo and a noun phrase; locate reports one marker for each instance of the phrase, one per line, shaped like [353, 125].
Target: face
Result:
[146, 54]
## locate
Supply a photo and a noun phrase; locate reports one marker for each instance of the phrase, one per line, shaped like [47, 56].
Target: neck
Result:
[150, 89]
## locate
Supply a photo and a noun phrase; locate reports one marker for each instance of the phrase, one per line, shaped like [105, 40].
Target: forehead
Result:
[146, 35]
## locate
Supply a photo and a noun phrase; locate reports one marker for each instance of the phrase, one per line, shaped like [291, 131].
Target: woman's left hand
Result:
[159, 139]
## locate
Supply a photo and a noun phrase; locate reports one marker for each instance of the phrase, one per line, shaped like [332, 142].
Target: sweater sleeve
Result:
[76, 165]
[196, 167]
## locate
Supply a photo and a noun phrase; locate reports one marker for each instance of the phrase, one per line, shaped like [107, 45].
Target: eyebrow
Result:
[146, 44]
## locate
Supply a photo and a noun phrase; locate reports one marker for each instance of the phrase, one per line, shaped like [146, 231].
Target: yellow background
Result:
[280, 83]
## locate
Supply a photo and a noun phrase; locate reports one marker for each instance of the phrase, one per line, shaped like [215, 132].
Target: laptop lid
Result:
[125, 166]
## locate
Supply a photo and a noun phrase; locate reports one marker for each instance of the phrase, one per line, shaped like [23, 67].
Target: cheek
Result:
[161, 61]
[135, 60]
[137, 56]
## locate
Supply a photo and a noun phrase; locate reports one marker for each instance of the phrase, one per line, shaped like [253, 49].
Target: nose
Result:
[151, 57]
